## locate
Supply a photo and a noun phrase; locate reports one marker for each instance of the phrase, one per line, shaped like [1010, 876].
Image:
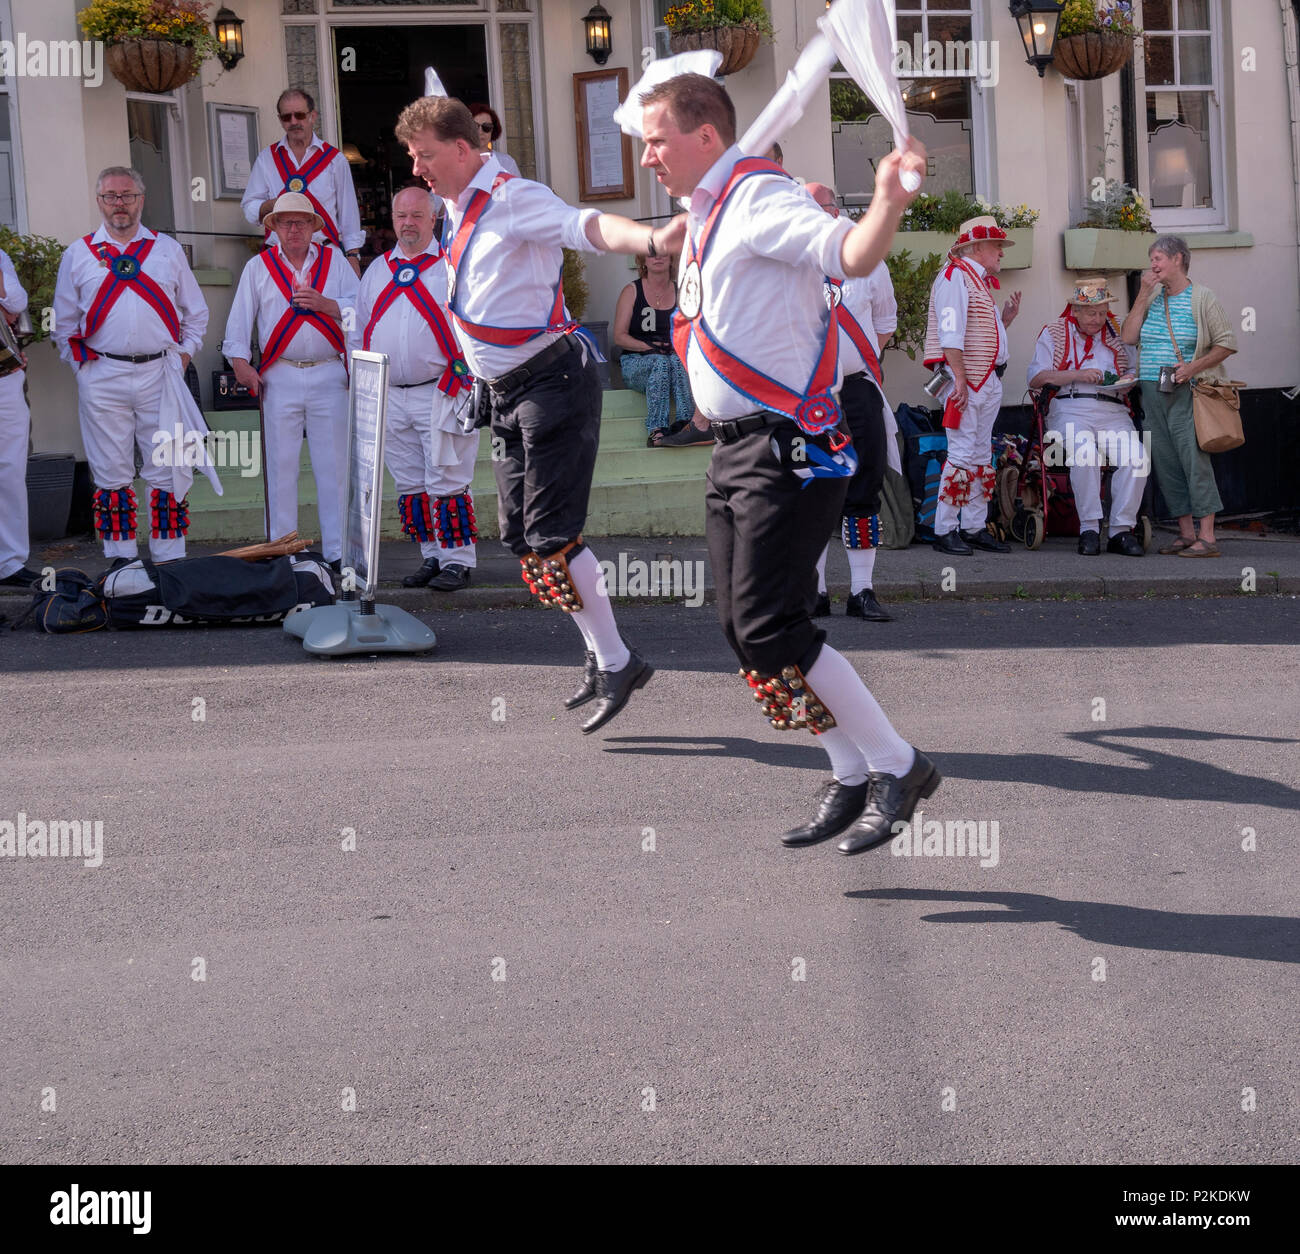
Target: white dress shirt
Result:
[413, 353]
[1079, 355]
[260, 304]
[509, 271]
[332, 186]
[131, 326]
[506, 160]
[950, 294]
[14, 300]
[764, 294]
[871, 301]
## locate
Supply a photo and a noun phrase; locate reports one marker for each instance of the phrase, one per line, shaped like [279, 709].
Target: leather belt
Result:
[731, 429]
[134, 358]
[304, 365]
[513, 379]
[424, 384]
[1091, 396]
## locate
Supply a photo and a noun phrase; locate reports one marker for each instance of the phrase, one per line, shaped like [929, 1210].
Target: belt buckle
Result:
[843, 440]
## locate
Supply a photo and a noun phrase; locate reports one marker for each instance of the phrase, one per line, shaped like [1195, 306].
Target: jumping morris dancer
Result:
[781, 464]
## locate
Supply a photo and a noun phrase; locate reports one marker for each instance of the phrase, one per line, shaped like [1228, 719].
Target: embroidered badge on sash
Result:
[124, 267]
[405, 276]
[295, 184]
[690, 292]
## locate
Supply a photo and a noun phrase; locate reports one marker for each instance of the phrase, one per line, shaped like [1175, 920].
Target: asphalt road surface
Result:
[627, 890]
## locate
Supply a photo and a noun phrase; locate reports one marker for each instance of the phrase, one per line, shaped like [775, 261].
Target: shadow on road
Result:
[765, 752]
[1270, 938]
[1155, 773]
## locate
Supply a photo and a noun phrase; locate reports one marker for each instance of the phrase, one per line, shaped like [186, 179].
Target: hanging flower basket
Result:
[154, 65]
[736, 43]
[1093, 54]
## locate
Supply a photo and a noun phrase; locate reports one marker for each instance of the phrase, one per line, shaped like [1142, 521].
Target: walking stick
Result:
[266, 481]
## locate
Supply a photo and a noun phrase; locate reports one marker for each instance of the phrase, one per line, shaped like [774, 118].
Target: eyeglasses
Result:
[485, 127]
[294, 117]
[293, 224]
[119, 198]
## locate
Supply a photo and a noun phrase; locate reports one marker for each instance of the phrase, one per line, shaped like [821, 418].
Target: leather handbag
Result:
[1216, 405]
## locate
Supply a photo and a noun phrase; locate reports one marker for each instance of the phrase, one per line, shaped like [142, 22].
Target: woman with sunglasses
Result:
[489, 131]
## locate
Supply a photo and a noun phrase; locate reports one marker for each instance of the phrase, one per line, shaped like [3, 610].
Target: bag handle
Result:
[1169, 322]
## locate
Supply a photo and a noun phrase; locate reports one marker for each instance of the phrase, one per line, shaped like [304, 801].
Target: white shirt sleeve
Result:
[243, 315]
[191, 306]
[1042, 356]
[349, 219]
[259, 187]
[950, 302]
[785, 224]
[539, 216]
[367, 293]
[346, 289]
[884, 305]
[67, 316]
[14, 300]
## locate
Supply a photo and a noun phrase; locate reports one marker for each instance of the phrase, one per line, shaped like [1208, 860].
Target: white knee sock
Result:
[848, 764]
[858, 713]
[862, 562]
[821, 569]
[596, 618]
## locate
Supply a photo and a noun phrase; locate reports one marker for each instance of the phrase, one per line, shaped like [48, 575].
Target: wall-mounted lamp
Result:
[230, 35]
[1037, 20]
[598, 38]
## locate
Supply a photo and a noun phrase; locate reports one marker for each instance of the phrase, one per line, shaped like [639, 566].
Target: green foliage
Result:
[174, 21]
[574, 279]
[949, 211]
[1079, 17]
[36, 259]
[693, 15]
[912, 282]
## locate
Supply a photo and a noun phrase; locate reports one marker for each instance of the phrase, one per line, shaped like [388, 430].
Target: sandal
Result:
[1206, 550]
[1176, 546]
[689, 436]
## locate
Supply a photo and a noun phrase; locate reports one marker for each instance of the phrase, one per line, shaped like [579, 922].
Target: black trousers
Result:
[864, 414]
[766, 530]
[544, 441]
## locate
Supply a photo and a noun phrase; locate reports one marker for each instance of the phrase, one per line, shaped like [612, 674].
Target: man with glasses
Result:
[124, 300]
[302, 162]
[301, 299]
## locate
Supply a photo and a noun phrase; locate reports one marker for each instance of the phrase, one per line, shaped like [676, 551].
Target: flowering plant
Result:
[173, 21]
[949, 211]
[1080, 17]
[1112, 204]
[693, 15]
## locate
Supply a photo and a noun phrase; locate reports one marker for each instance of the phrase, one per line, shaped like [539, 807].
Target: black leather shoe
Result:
[421, 577]
[952, 543]
[23, 577]
[587, 689]
[890, 800]
[613, 689]
[822, 608]
[1089, 543]
[1126, 543]
[451, 578]
[864, 605]
[840, 805]
[985, 540]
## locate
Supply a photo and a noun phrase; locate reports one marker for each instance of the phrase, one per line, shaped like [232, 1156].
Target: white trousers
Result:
[15, 426]
[425, 451]
[118, 406]
[1095, 434]
[970, 445]
[311, 400]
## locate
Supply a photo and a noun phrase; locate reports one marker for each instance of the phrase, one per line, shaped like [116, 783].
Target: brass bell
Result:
[788, 672]
[796, 683]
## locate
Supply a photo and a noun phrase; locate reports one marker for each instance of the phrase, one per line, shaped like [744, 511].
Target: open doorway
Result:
[380, 71]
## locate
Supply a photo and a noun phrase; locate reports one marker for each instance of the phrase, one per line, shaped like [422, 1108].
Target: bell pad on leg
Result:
[861, 531]
[415, 516]
[788, 701]
[548, 578]
[169, 519]
[115, 513]
[453, 521]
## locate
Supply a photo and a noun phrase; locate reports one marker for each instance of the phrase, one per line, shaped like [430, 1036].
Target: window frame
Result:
[9, 91]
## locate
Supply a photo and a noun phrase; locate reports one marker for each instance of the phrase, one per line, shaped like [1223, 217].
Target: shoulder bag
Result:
[1216, 405]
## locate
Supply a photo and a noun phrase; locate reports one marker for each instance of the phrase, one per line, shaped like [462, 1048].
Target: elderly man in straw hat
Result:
[301, 298]
[1087, 368]
[966, 331]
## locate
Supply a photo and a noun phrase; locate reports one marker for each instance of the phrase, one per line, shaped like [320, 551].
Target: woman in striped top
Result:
[1205, 339]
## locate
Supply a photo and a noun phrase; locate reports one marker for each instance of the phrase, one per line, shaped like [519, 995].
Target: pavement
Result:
[1255, 562]
[400, 910]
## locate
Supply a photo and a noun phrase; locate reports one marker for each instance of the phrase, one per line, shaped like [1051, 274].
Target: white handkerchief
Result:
[628, 114]
[432, 83]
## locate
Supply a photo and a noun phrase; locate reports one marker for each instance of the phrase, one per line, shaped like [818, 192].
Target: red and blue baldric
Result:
[125, 273]
[406, 279]
[284, 330]
[299, 180]
[814, 408]
[854, 330]
[510, 337]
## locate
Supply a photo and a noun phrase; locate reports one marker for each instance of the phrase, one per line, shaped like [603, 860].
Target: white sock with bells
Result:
[821, 569]
[858, 713]
[596, 618]
[847, 762]
[862, 564]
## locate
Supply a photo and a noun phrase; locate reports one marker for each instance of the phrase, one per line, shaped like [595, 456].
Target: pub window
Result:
[1184, 125]
[11, 199]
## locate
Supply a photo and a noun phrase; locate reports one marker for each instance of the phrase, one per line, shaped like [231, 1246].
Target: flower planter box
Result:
[1090, 248]
[736, 43]
[1094, 54]
[922, 243]
[153, 65]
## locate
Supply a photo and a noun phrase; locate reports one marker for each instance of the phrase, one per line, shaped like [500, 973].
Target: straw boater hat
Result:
[979, 230]
[293, 202]
[1091, 291]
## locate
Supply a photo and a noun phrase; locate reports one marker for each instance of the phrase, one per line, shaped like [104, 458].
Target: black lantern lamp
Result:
[1037, 20]
[598, 39]
[230, 35]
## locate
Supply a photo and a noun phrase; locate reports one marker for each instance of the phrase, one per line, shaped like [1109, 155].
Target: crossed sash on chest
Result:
[299, 179]
[293, 319]
[853, 328]
[125, 274]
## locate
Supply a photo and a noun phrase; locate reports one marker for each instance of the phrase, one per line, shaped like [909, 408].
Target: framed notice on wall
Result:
[232, 137]
[604, 152]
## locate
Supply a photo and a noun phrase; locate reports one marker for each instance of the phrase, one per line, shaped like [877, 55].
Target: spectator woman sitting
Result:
[643, 323]
[1180, 326]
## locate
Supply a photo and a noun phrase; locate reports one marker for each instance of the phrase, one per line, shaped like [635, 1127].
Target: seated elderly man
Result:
[1082, 358]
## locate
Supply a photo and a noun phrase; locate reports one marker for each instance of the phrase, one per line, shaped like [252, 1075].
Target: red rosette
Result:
[816, 414]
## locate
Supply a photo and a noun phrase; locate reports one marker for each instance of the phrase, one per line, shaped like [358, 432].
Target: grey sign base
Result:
[338, 630]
